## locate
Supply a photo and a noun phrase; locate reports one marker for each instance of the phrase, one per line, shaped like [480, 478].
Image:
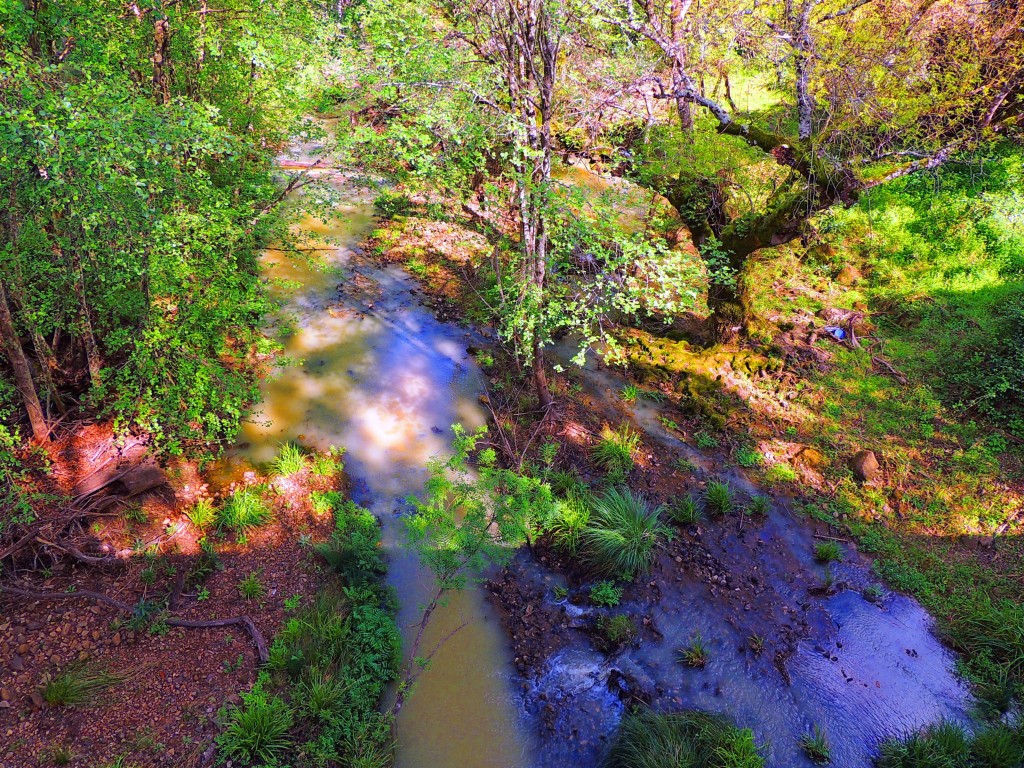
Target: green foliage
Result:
[718, 498]
[815, 746]
[353, 550]
[828, 552]
[705, 440]
[251, 587]
[391, 203]
[696, 654]
[614, 631]
[623, 533]
[605, 593]
[257, 732]
[244, 511]
[203, 514]
[630, 393]
[749, 457]
[615, 451]
[568, 521]
[290, 460]
[688, 739]
[759, 505]
[327, 464]
[949, 745]
[684, 511]
[78, 685]
[780, 473]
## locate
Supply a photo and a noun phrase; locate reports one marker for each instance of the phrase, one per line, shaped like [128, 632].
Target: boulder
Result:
[864, 466]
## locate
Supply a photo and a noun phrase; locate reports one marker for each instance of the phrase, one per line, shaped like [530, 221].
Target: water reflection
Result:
[378, 374]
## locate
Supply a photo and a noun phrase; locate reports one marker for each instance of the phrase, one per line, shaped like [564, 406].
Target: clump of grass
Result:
[615, 630]
[565, 482]
[748, 457]
[569, 521]
[322, 695]
[872, 593]
[630, 393]
[136, 515]
[605, 593]
[328, 463]
[615, 451]
[60, 754]
[203, 514]
[684, 464]
[623, 532]
[245, 511]
[705, 440]
[652, 740]
[944, 744]
[828, 552]
[780, 473]
[251, 587]
[290, 460]
[815, 746]
[257, 731]
[756, 643]
[78, 685]
[718, 498]
[696, 654]
[684, 511]
[759, 505]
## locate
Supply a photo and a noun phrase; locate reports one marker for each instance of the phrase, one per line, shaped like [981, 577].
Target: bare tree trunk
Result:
[22, 372]
[161, 58]
[92, 351]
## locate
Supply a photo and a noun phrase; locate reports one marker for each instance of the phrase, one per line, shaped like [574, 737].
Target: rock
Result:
[864, 466]
[37, 700]
[5, 694]
[22, 649]
[5, 704]
[17, 664]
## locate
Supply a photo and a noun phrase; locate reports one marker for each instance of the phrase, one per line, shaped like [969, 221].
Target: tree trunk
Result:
[729, 311]
[540, 377]
[92, 351]
[161, 54]
[22, 373]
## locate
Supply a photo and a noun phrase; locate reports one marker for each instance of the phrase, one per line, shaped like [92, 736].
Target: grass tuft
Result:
[615, 451]
[651, 740]
[759, 505]
[245, 511]
[815, 746]
[696, 654]
[290, 460]
[258, 730]
[684, 511]
[569, 521]
[78, 685]
[718, 498]
[251, 587]
[828, 552]
[203, 514]
[623, 534]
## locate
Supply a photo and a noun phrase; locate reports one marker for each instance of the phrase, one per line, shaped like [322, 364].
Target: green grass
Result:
[623, 534]
[291, 460]
[688, 739]
[615, 631]
[705, 441]
[828, 552]
[78, 685]
[780, 473]
[251, 587]
[244, 511]
[569, 521]
[605, 593]
[948, 745]
[203, 514]
[759, 505]
[718, 498]
[615, 451]
[258, 731]
[748, 457]
[630, 393]
[696, 654]
[684, 511]
[327, 463]
[815, 746]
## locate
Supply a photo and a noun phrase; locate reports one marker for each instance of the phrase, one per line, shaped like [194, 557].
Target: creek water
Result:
[375, 372]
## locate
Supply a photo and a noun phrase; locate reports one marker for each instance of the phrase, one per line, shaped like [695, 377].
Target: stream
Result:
[375, 372]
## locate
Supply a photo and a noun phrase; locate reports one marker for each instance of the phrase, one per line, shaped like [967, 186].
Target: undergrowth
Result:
[688, 739]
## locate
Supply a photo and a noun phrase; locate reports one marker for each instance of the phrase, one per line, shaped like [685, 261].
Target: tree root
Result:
[262, 651]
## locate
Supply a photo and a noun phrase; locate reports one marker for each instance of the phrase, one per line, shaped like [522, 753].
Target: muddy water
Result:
[863, 671]
[376, 373]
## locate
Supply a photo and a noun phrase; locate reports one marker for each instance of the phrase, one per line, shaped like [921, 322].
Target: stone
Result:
[17, 664]
[864, 466]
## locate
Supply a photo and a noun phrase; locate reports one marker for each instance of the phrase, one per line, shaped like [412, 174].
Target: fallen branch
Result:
[881, 362]
[243, 621]
[831, 538]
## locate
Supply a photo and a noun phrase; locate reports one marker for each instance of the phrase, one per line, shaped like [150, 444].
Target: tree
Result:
[872, 92]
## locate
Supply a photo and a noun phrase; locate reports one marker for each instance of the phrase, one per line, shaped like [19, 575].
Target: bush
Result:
[392, 204]
[244, 511]
[687, 739]
[353, 550]
[615, 451]
[258, 730]
[623, 533]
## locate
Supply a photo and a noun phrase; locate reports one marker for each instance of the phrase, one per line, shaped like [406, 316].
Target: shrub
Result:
[815, 746]
[605, 593]
[695, 654]
[623, 533]
[615, 451]
[257, 731]
[203, 514]
[718, 498]
[78, 685]
[687, 739]
[828, 552]
[392, 204]
[684, 511]
[251, 588]
[569, 521]
[353, 550]
[290, 460]
[245, 511]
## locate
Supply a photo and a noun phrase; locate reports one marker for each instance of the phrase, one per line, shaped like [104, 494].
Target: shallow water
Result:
[377, 374]
[863, 672]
